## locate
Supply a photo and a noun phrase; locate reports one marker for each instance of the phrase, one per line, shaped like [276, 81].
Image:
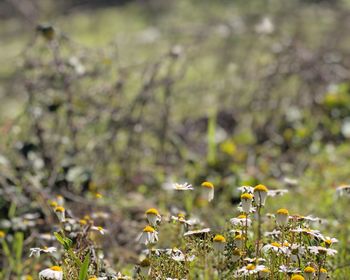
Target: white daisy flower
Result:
[208, 191]
[197, 232]
[181, 219]
[246, 189]
[249, 269]
[37, 251]
[279, 192]
[289, 270]
[246, 200]
[60, 212]
[316, 250]
[309, 272]
[276, 248]
[52, 273]
[343, 190]
[182, 187]
[148, 235]
[153, 216]
[241, 221]
[282, 217]
[274, 233]
[323, 274]
[260, 194]
[219, 243]
[99, 229]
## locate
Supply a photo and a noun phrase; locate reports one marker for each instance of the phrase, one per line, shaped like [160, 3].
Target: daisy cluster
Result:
[254, 245]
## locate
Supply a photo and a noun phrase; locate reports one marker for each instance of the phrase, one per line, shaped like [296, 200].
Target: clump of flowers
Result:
[288, 249]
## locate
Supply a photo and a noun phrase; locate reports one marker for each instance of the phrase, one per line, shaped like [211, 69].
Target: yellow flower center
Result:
[98, 195]
[82, 222]
[56, 268]
[207, 185]
[93, 278]
[53, 204]
[239, 237]
[152, 211]
[266, 270]
[247, 196]
[260, 188]
[100, 228]
[59, 209]
[242, 216]
[297, 277]
[148, 229]
[219, 238]
[322, 270]
[275, 244]
[2, 234]
[309, 269]
[282, 211]
[250, 267]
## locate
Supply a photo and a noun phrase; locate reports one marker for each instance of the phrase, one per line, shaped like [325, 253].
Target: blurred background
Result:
[125, 97]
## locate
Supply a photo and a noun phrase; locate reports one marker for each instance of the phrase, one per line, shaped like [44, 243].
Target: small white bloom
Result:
[241, 221]
[153, 216]
[37, 251]
[148, 235]
[343, 190]
[197, 232]
[182, 187]
[208, 191]
[52, 273]
[99, 229]
[316, 250]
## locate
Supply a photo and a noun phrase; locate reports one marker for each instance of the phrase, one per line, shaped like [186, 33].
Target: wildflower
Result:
[99, 229]
[148, 235]
[197, 232]
[343, 190]
[289, 270]
[275, 247]
[246, 189]
[249, 269]
[153, 216]
[309, 272]
[274, 233]
[208, 190]
[279, 192]
[282, 217]
[239, 240]
[236, 254]
[260, 194]
[316, 250]
[264, 273]
[219, 242]
[329, 241]
[297, 277]
[323, 274]
[37, 251]
[179, 256]
[82, 222]
[182, 187]
[241, 221]
[246, 200]
[52, 273]
[2, 234]
[26, 277]
[181, 219]
[145, 267]
[60, 212]
[297, 251]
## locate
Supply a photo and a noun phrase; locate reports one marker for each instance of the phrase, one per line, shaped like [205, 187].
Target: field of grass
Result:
[107, 110]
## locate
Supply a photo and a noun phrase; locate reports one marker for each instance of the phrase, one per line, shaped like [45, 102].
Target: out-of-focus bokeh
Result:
[125, 97]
